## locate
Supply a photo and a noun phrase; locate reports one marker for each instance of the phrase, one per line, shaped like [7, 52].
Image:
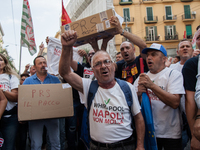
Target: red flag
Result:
[65, 18]
[184, 34]
[141, 65]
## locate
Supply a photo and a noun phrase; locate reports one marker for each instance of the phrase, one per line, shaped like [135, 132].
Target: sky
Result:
[46, 22]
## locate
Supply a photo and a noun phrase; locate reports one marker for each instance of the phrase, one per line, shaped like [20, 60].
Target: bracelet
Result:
[197, 117]
[122, 32]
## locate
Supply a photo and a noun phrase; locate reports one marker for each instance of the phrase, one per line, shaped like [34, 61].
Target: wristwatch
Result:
[122, 32]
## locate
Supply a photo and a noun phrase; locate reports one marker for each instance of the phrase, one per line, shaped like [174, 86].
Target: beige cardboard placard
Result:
[44, 101]
[95, 26]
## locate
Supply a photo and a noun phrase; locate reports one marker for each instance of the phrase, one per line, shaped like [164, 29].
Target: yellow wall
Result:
[138, 11]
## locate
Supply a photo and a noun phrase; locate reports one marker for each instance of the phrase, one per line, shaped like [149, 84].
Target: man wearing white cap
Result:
[164, 87]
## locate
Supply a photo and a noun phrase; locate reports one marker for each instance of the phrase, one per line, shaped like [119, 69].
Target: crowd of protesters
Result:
[111, 92]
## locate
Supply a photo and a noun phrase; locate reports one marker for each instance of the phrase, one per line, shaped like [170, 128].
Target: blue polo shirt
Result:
[50, 79]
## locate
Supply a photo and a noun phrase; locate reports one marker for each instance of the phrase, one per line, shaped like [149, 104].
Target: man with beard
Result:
[36, 126]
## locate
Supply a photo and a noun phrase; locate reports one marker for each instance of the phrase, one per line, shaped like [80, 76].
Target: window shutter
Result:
[174, 28]
[147, 31]
[155, 30]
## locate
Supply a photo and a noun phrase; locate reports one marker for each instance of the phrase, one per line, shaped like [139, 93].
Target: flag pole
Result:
[20, 56]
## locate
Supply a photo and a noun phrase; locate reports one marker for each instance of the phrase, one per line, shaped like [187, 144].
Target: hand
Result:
[41, 46]
[94, 44]
[196, 129]
[47, 40]
[196, 52]
[27, 67]
[82, 53]
[140, 148]
[168, 62]
[1, 91]
[68, 38]
[105, 42]
[115, 22]
[145, 81]
[141, 89]
[195, 144]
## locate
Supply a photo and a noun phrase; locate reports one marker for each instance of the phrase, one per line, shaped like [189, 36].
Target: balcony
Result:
[167, 1]
[150, 19]
[190, 17]
[186, 0]
[188, 36]
[148, 38]
[171, 37]
[149, 1]
[131, 22]
[125, 2]
[125, 39]
[172, 18]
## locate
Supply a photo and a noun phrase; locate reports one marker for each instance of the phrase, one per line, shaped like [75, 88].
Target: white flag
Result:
[27, 34]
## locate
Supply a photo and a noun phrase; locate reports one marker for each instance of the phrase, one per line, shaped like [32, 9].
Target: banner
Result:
[27, 33]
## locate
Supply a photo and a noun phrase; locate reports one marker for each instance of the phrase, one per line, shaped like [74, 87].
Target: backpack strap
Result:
[126, 90]
[92, 91]
[123, 85]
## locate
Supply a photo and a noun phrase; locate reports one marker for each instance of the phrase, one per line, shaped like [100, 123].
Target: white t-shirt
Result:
[88, 73]
[9, 84]
[166, 119]
[109, 117]
[177, 66]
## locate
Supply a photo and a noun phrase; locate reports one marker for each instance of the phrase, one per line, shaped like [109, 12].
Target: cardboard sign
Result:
[44, 101]
[95, 26]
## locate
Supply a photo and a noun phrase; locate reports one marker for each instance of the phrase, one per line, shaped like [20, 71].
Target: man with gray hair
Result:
[104, 134]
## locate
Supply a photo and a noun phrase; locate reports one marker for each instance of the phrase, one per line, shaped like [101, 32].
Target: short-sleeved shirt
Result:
[189, 71]
[129, 72]
[109, 116]
[8, 83]
[166, 119]
[50, 79]
[84, 71]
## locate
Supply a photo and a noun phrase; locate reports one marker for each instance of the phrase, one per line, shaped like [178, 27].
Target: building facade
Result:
[159, 21]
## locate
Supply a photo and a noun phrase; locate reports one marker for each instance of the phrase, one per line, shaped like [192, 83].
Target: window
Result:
[149, 14]
[129, 30]
[126, 15]
[170, 32]
[188, 31]
[168, 12]
[187, 11]
[151, 33]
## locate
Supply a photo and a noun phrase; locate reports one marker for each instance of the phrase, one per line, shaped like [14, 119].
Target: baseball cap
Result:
[157, 47]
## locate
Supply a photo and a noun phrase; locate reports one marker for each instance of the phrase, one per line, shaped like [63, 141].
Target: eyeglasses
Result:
[105, 62]
[91, 54]
[23, 79]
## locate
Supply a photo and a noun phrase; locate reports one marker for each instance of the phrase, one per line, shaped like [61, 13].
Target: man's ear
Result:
[177, 52]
